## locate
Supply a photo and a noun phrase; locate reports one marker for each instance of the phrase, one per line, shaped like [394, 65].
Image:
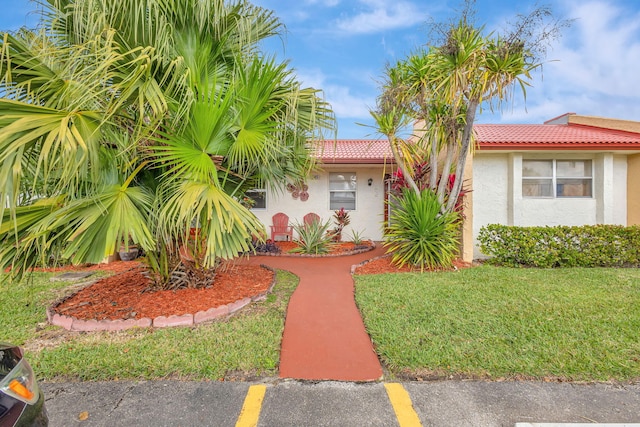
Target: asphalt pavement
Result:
[295, 403]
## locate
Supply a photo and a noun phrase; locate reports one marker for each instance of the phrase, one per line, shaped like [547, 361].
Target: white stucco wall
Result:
[497, 193]
[490, 187]
[620, 190]
[366, 219]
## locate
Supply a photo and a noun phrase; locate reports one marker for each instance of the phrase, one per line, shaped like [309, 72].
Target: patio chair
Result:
[281, 227]
[310, 218]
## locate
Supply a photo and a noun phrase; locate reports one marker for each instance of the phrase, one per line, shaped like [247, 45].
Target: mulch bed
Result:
[383, 265]
[126, 294]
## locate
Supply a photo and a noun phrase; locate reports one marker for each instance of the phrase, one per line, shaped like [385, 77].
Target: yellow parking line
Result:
[402, 405]
[250, 411]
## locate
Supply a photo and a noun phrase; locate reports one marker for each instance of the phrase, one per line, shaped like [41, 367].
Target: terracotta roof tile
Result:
[553, 137]
[354, 151]
[491, 137]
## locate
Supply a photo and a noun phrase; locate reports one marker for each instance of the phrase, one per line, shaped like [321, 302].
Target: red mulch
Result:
[384, 265]
[126, 294]
[337, 247]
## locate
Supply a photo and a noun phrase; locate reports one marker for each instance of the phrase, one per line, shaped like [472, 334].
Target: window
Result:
[342, 190]
[557, 178]
[259, 198]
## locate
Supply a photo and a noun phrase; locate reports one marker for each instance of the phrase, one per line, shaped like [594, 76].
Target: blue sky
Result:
[342, 47]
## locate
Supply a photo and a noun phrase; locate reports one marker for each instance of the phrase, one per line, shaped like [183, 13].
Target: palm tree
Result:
[137, 120]
[444, 87]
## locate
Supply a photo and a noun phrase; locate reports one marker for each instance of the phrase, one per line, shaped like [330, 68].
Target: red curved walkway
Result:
[324, 336]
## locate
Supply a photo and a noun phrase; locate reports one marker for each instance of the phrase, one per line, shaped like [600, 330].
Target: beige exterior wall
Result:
[606, 123]
[633, 190]
[466, 248]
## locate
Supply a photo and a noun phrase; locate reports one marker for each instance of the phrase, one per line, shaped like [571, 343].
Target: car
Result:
[21, 401]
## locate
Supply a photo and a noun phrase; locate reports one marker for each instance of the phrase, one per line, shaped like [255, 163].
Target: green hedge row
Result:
[545, 247]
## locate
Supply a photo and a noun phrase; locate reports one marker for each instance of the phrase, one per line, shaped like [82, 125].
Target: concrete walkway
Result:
[324, 336]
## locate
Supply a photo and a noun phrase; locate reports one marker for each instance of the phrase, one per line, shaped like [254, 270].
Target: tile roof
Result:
[491, 137]
[553, 137]
[354, 151]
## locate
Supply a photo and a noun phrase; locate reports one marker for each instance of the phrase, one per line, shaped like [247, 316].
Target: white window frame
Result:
[554, 178]
[353, 190]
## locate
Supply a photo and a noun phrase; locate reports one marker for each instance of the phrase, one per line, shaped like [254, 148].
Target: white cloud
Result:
[596, 72]
[345, 104]
[381, 15]
[326, 3]
[603, 55]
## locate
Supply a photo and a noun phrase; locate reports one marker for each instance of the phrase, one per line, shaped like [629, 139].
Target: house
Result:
[571, 170]
[351, 176]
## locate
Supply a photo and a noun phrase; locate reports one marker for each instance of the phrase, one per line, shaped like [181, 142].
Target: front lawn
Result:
[245, 345]
[490, 322]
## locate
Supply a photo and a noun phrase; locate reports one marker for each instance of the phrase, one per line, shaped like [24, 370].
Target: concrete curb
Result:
[71, 323]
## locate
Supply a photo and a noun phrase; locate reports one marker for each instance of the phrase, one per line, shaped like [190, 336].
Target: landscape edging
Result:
[74, 324]
[296, 255]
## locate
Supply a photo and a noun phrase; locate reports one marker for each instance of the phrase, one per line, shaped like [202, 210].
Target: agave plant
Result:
[313, 238]
[419, 234]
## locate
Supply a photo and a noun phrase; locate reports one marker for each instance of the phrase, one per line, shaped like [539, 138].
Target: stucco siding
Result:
[490, 190]
[620, 190]
[551, 212]
[498, 199]
[366, 219]
[633, 190]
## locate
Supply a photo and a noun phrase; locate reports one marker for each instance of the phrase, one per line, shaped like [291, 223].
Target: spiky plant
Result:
[419, 234]
[313, 238]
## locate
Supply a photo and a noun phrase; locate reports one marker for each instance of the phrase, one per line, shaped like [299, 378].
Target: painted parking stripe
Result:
[250, 411]
[402, 405]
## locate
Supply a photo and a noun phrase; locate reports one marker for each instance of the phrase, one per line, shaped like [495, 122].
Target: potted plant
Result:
[128, 251]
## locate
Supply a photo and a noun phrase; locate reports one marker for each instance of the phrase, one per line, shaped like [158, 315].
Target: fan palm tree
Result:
[137, 120]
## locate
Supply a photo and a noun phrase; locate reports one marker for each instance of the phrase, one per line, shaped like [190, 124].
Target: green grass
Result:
[246, 344]
[491, 322]
[23, 305]
[487, 322]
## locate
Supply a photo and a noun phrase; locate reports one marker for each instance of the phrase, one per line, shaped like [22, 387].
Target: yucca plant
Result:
[419, 234]
[313, 238]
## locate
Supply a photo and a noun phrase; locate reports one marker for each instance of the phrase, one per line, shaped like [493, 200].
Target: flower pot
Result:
[129, 255]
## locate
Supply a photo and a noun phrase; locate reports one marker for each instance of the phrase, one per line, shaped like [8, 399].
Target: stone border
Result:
[79, 325]
[345, 253]
[354, 267]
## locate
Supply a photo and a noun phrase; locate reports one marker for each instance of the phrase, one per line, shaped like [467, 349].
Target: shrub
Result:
[341, 220]
[313, 238]
[562, 246]
[269, 246]
[419, 234]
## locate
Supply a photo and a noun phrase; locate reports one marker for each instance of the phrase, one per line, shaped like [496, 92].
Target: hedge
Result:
[562, 246]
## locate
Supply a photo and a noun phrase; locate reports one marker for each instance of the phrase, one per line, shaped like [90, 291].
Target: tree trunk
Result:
[462, 158]
[433, 164]
[444, 176]
[401, 165]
